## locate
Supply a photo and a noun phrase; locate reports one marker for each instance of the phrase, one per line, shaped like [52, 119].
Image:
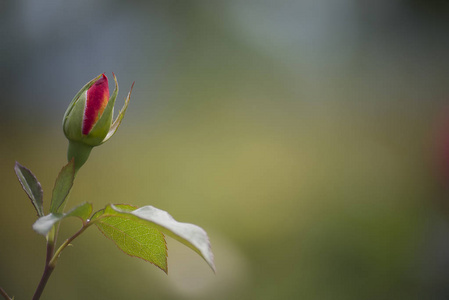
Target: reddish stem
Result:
[4, 294]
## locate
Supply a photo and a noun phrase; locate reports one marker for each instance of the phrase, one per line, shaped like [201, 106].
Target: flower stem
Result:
[51, 239]
[52, 257]
[45, 276]
[4, 294]
[67, 242]
[80, 152]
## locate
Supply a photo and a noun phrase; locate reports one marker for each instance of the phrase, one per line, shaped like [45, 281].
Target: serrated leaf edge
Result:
[206, 253]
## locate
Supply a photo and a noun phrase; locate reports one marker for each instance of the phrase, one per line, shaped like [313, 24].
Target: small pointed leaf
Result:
[132, 235]
[31, 186]
[82, 211]
[44, 224]
[62, 187]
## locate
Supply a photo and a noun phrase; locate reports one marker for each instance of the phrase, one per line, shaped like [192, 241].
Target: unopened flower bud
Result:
[88, 120]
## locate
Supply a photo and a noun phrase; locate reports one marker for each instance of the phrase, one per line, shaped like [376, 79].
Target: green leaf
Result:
[82, 211]
[132, 235]
[31, 186]
[44, 224]
[190, 235]
[63, 184]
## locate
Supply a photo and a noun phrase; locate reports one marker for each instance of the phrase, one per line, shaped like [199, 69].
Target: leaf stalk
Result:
[67, 242]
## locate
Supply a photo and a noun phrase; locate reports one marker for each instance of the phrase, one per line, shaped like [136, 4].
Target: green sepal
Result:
[74, 122]
[119, 118]
[103, 125]
[77, 96]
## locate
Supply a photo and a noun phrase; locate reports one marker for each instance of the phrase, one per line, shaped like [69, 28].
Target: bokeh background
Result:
[299, 134]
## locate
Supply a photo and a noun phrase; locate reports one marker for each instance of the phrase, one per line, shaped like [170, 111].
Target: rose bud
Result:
[88, 120]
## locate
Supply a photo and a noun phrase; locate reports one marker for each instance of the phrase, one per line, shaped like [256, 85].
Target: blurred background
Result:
[301, 135]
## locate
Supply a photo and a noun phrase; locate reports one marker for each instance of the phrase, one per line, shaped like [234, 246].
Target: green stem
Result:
[51, 241]
[4, 294]
[80, 152]
[66, 243]
[52, 257]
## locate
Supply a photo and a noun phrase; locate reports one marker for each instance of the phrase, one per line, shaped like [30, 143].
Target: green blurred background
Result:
[298, 134]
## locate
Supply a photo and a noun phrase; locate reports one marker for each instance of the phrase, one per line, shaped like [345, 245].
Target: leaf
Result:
[31, 186]
[63, 184]
[82, 211]
[44, 224]
[132, 235]
[190, 235]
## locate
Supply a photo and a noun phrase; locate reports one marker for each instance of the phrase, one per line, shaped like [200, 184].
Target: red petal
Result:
[97, 99]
